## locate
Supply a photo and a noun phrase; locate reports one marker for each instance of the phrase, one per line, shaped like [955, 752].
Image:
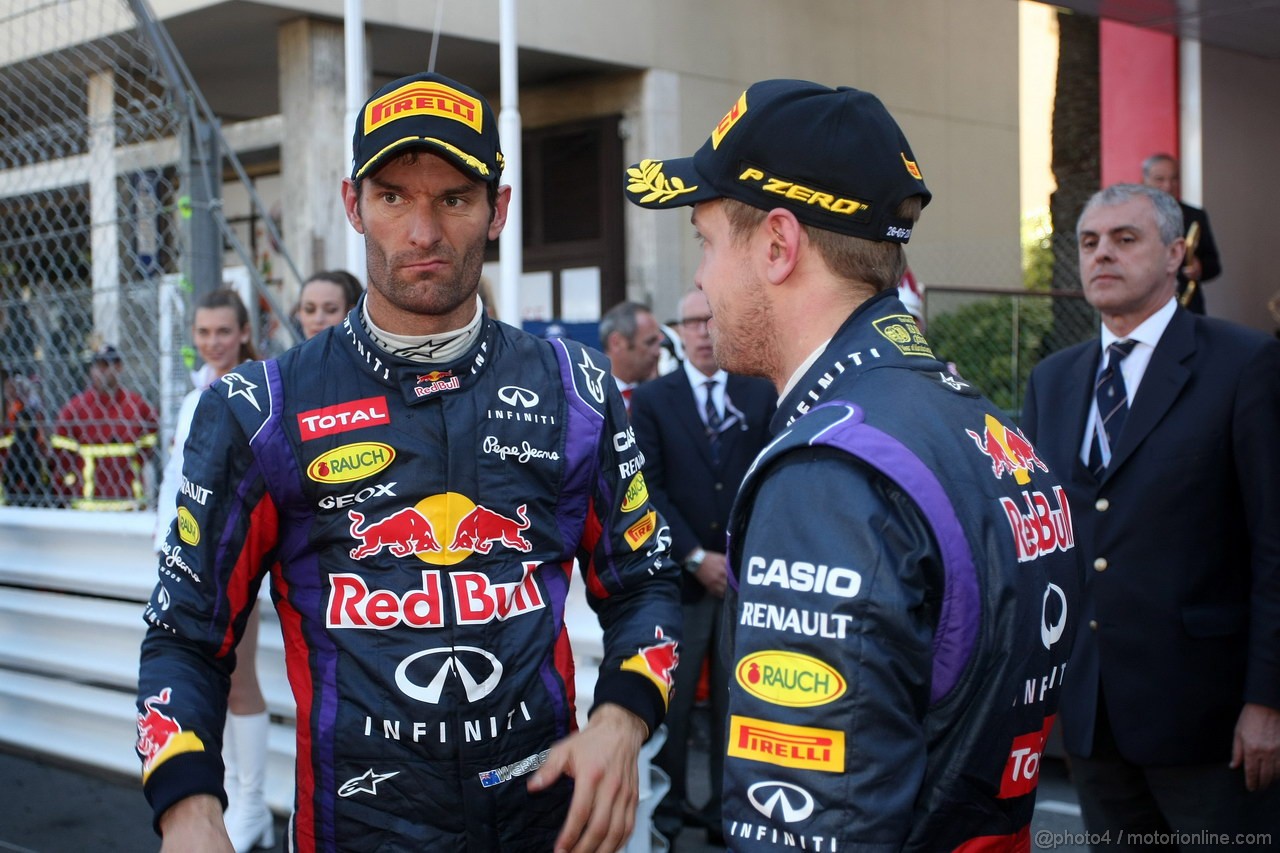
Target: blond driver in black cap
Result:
[900, 566]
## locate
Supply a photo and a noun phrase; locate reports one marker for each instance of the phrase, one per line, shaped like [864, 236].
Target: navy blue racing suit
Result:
[419, 527]
[902, 582]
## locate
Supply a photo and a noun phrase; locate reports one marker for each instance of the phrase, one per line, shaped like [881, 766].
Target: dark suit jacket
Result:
[1179, 542]
[693, 495]
[1206, 252]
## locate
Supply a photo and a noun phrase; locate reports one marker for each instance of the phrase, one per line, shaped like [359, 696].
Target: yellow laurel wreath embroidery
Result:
[648, 179]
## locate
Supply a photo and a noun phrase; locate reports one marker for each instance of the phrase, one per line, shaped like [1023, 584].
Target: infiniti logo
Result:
[454, 662]
[792, 802]
[514, 395]
[1050, 634]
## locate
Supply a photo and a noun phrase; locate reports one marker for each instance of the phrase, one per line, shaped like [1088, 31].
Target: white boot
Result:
[230, 779]
[249, 821]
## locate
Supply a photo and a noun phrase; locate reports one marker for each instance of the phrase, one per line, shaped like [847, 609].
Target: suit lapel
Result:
[1163, 381]
[1077, 389]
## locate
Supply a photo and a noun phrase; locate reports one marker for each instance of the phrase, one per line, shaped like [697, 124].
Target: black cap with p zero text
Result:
[834, 157]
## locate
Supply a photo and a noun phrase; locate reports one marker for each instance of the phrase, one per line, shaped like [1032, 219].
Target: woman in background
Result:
[325, 299]
[224, 338]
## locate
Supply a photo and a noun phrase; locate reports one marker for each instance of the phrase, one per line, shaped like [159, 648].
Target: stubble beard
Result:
[747, 344]
[427, 295]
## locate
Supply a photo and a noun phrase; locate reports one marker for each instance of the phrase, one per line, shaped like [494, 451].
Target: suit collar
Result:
[697, 377]
[1163, 381]
[1149, 331]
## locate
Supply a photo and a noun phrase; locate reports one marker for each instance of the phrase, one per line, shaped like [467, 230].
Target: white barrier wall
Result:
[72, 589]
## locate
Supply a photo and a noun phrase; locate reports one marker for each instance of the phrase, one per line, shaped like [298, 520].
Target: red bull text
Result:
[1042, 529]
[476, 601]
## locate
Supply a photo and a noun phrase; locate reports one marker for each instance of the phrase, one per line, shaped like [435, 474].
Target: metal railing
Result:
[111, 224]
[995, 337]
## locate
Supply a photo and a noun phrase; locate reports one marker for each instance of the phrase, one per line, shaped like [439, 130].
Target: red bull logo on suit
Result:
[159, 735]
[476, 600]
[1008, 450]
[657, 662]
[421, 530]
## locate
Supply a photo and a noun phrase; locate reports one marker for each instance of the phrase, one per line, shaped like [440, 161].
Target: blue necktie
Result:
[1113, 403]
[712, 416]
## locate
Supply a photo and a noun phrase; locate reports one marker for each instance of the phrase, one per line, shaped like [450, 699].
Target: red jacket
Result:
[101, 443]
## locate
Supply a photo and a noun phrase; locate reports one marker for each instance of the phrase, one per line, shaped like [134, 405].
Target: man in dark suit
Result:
[1161, 171]
[1171, 703]
[699, 429]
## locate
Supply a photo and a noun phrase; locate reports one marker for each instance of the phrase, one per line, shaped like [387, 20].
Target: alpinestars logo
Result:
[594, 377]
[366, 784]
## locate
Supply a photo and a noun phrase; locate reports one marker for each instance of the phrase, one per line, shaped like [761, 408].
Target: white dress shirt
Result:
[1132, 369]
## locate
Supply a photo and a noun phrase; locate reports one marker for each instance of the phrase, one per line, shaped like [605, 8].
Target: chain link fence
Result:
[111, 174]
[995, 337]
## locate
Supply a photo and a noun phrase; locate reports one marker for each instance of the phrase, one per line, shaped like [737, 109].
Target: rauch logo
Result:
[351, 462]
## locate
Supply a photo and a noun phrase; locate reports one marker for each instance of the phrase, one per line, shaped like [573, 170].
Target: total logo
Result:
[355, 414]
[1022, 770]
[478, 671]
[418, 530]
[477, 600]
[789, 678]
[1008, 450]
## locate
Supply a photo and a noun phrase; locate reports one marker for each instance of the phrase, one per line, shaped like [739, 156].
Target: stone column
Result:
[315, 150]
[105, 234]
